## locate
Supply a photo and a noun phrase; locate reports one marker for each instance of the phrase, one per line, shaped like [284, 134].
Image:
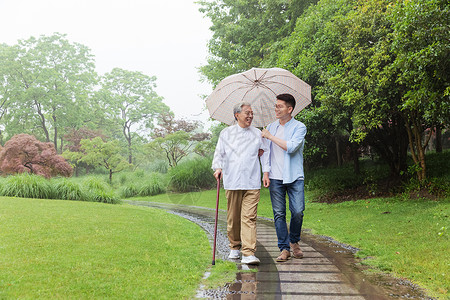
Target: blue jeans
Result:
[296, 194]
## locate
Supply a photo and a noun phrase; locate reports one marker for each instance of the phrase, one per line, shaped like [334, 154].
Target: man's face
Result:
[282, 110]
[245, 117]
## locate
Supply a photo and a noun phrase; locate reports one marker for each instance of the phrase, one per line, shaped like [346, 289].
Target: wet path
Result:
[327, 270]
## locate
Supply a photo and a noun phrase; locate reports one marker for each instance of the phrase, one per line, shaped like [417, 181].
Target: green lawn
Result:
[409, 239]
[82, 250]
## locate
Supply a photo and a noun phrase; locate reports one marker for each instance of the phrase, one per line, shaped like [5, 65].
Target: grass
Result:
[409, 239]
[80, 250]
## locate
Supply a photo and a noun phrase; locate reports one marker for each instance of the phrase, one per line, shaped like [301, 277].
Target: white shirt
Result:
[237, 155]
[277, 157]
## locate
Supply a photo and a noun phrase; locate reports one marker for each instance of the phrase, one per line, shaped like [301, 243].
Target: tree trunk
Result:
[127, 134]
[414, 130]
[338, 152]
[438, 139]
[355, 156]
[110, 176]
[42, 117]
[61, 145]
[55, 131]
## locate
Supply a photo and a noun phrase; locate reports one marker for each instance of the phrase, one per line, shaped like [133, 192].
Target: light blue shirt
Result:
[294, 135]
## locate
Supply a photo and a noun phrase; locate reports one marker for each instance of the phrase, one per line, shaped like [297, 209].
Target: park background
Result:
[377, 129]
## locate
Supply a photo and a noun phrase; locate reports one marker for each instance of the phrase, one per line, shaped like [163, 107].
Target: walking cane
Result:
[215, 224]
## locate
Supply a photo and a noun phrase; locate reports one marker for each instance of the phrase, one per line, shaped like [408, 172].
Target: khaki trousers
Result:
[241, 220]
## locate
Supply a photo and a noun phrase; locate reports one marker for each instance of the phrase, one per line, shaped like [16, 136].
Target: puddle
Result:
[372, 286]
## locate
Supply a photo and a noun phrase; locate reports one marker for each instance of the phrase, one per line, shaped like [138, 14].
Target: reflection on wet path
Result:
[327, 271]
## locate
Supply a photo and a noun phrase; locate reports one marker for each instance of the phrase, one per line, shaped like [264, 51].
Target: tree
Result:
[130, 101]
[97, 152]
[24, 153]
[244, 31]
[176, 138]
[395, 76]
[50, 78]
[6, 90]
[420, 42]
[74, 137]
[313, 52]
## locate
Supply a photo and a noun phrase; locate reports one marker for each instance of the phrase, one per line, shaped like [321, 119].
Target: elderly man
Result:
[287, 138]
[236, 158]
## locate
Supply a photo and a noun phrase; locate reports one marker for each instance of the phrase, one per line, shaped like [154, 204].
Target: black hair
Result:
[288, 98]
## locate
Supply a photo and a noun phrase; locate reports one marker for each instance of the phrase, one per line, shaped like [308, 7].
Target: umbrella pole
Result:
[215, 223]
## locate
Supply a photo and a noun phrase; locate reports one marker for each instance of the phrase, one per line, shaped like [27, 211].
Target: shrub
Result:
[154, 185]
[26, 185]
[150, 185]
[69, 190]
[103, 196]
[192, 175]
[99, 191]
[129, 190]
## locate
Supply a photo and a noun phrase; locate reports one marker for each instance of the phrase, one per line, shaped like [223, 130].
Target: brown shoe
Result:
[296, 251]
[284, 256]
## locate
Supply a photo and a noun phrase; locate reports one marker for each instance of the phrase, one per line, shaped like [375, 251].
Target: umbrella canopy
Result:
[259, 87]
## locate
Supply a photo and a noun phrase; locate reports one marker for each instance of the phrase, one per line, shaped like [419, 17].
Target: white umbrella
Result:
[259, 87]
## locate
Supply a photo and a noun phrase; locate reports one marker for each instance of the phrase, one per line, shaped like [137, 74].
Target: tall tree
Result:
[51, 78]
[244, 31]
[420, 42]
[395, 78]
[176, 138]
[130, 101]
[313, 53]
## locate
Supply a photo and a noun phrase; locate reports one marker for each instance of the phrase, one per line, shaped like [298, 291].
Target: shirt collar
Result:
[286, 124]
[240, 129]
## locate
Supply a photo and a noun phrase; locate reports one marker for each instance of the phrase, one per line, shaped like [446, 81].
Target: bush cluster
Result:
[139, 184]
[192, 175]
[26, 185]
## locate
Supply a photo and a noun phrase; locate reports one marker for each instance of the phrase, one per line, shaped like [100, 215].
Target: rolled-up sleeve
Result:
[297, 139]
[265, 158]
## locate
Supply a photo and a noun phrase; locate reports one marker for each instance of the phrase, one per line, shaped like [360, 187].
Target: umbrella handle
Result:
[215, 223]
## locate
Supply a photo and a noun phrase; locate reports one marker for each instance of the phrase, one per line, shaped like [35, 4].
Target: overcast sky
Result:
[166, 39]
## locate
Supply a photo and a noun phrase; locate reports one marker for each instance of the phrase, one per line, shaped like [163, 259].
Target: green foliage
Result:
[145, 185]
[68, 190]
[244, 32]
[26, 185]
[192, 175]
[154, 185]
[159, 166]
[99, 191]
[105, 154]
[45, 75]
[129, 97]
[327, 181]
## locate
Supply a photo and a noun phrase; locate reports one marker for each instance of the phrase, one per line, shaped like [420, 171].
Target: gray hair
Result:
[238, 108]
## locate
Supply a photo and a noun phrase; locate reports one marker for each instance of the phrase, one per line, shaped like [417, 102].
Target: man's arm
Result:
[280, 142]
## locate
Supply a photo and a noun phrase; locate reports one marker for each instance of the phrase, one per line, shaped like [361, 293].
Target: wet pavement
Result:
[328, 269]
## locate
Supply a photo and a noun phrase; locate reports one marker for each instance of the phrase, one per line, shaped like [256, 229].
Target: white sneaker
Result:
[250, 260]
[234, 254]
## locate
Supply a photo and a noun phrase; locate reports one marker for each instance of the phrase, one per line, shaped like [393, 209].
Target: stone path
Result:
[323, 273]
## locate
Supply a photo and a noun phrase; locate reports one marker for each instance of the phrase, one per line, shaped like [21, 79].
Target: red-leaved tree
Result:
[24, 153]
